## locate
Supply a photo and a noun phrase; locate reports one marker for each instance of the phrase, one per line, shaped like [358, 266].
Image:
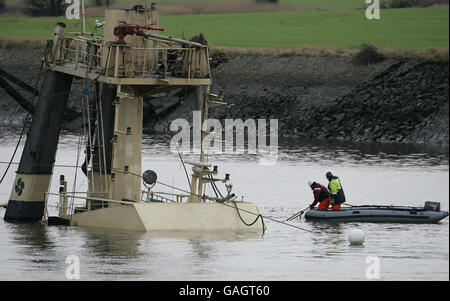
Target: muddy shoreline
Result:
[314, 97]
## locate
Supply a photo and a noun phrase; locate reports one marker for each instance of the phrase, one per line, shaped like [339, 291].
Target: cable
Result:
[251, 224]
[25, 121]
[176, 144]
[40, 164]
[217, 191]
[243, 210]
[269, 218]
[216, 188]
[72, 203]
[7, 138]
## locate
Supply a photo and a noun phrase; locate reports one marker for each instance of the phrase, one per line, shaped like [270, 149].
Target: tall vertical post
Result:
[63, 199]
[102, 152]
[200, 105]
[83, 15]
[127, 147]
[27, 199]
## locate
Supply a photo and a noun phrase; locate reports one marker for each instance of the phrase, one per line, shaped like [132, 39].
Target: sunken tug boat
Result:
[130, 61]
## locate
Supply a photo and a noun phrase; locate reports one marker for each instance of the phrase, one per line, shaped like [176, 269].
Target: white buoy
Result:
[356, 237]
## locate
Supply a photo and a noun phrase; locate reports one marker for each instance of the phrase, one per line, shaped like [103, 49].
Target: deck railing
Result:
[122, 60]
[152, 196]
[93, 203]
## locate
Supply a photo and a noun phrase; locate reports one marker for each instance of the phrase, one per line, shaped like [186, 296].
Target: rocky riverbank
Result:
[316, 97]
[334, 98]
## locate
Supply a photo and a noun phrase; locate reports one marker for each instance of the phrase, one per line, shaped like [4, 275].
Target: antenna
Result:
[83, 16]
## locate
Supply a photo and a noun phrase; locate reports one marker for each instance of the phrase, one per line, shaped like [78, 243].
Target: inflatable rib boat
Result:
[430, 213]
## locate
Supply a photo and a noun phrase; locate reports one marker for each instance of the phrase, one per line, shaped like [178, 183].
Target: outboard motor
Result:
[432, 206]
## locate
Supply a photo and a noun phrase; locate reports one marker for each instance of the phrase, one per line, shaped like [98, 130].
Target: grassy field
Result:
[411, 29]
[307, 4]
[408, 29]
[325, 4]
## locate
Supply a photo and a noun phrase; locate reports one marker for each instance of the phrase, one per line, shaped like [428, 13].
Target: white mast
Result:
[83, 15]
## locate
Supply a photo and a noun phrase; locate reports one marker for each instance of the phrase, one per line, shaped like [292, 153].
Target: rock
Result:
[390, 101]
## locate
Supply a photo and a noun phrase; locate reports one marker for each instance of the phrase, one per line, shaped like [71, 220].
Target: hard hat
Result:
[329, 175]
[310, 183]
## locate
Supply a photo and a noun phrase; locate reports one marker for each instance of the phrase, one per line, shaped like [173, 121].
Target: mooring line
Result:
[25, 123]
[266, 217]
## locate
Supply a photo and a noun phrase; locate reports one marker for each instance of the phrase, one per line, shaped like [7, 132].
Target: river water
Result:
[370, 174]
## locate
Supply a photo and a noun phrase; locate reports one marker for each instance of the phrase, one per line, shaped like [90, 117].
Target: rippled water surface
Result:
[370, 174]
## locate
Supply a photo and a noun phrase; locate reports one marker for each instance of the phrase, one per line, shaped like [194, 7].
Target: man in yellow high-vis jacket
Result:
[337, 195]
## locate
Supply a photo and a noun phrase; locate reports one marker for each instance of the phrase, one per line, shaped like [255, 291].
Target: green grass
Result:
[310, 4]
[325, 4]
[409, 29]
[307, 4]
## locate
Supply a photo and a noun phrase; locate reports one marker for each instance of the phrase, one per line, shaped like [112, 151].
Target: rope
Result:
[243, 210]
[103, 138]
[176, 145]
[217, 191]
[48, 48]
[72, 203]
[251, 224]
[25, 123]
[40, 164]
[7, 138]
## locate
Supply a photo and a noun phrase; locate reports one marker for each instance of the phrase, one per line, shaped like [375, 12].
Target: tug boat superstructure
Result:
[130, 61]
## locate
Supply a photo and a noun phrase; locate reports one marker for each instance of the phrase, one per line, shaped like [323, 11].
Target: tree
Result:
[410, 3]
[103, 2]
[2, 6]
[266, 1]
[45, 7]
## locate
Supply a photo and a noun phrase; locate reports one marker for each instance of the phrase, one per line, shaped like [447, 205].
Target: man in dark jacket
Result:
[337, 195]
[321, 196]
[200, 39]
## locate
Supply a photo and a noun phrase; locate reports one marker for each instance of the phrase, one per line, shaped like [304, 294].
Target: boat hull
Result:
[174, 217]
[373, 214]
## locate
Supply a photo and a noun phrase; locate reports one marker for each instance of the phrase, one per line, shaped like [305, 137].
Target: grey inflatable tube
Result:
[377, 214]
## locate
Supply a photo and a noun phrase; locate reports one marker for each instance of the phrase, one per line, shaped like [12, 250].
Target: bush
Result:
[37, 8]
[2, 6]
[266, 1]
[410, 3]
[103, 2]
[368, 54]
